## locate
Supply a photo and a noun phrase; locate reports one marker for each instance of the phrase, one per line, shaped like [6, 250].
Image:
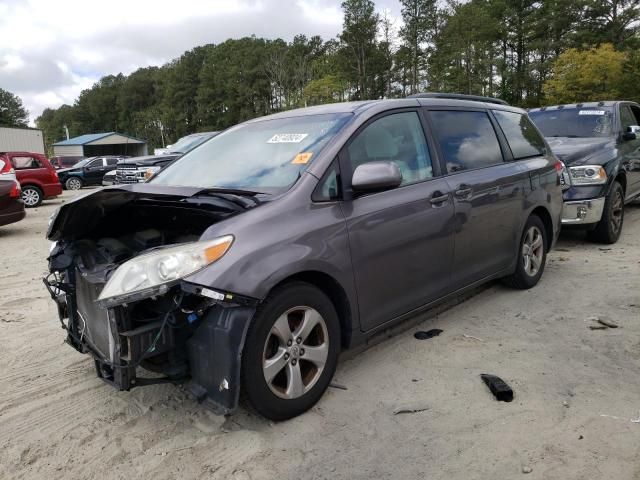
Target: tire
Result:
[73, 183]
[31, 196]
[532, 255]
[270, 343]
[609, 228]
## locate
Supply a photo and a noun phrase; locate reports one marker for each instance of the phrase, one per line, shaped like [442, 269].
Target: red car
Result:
[37, 177]
[11, 205]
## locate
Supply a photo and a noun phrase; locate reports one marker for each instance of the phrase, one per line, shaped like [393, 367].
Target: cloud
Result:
[58, 48]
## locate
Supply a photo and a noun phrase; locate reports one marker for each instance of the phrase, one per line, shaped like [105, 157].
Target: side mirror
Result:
[374, 176]
[632, 132]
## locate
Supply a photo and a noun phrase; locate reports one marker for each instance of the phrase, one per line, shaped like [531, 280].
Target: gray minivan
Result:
[253, 260]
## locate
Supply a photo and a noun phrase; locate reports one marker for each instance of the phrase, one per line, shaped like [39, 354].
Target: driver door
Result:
[401, 240]
[94, 171]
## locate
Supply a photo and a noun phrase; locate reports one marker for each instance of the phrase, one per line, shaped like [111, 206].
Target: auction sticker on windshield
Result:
[302, 158]
[287, 138]
[591, 112]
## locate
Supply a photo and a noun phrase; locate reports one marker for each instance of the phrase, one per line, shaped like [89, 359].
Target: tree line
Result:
[526, 52]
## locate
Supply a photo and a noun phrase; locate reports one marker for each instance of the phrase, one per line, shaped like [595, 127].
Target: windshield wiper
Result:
[242, 198]
[565, 136]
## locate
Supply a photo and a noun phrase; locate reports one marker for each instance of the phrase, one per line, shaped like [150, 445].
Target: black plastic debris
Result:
[498, 387]
[422, 335]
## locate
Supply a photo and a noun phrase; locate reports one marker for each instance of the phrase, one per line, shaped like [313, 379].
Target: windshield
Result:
[574, 122]
[265, 156]
[190, 142]
[82, 163]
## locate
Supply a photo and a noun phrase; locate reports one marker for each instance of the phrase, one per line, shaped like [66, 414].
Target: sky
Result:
[50, 50]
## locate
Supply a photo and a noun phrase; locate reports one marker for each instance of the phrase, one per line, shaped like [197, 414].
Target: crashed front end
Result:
[119, 272]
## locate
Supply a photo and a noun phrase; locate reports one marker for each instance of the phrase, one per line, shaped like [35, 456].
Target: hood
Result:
[86, 213]
[66, 170]
[149, 160]
[576, 151]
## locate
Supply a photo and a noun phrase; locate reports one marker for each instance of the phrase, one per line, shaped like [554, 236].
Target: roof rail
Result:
[459, 96]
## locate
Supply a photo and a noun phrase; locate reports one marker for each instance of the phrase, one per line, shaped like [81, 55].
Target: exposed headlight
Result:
[154, 272]
[150, 172]
[588, 175]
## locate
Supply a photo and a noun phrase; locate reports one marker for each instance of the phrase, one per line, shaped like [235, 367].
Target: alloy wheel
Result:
[532, 251]
[30, 197]
[617, 207]
[295, 352]
[74, 184]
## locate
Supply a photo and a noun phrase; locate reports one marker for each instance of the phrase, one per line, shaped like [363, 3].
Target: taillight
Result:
[15, 192]
[563, 175]
[559, 166]
[5, 166]
[54, 175]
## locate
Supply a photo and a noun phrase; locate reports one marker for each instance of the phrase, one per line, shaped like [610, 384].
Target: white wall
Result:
[21, 140]
[68, 151]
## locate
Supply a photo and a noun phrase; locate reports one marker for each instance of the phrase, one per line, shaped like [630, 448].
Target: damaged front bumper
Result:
[190, 335]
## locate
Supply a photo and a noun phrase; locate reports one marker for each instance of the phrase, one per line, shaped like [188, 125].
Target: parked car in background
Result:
[38, 179]
[139, 169]
[254, 259]
[64, 162]
[11, 203]
[88, 172]
[599, 142]
[186, 143]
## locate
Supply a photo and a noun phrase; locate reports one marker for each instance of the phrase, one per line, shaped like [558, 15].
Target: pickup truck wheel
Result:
[31, 196]
[609, 228]
[532, 255]
[73, 183]
[291, 351]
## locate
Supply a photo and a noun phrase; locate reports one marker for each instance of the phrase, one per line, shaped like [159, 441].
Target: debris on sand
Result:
[422, 335]
[339, 386]
[607, 323]
[410, 409]
[603, 323]
[498, 387]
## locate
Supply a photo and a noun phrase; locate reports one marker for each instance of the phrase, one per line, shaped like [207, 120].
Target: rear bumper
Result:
[582, 212]
[52, 190]
[13, 216]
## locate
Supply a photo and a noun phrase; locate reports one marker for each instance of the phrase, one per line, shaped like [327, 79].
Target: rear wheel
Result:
[291, 351]
[532, 255]
[609, 228]
[31, 196]
[73, 183]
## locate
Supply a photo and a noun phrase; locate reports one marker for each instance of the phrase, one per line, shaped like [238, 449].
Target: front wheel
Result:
[532, 255]
[31, 196]
[291, 351]
[609, 228]
[73, 183]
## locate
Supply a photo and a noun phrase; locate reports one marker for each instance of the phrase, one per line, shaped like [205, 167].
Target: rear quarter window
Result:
[522, 137]
[23, 163]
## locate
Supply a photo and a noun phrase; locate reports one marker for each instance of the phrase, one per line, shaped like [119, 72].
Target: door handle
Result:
[438, 197]
[463, 191]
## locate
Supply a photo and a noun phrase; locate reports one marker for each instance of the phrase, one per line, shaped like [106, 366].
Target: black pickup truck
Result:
[599, 142]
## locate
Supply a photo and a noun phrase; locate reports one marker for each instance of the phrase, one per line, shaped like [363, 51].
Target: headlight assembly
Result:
[150, 172]
[588, 175]
[154, 272]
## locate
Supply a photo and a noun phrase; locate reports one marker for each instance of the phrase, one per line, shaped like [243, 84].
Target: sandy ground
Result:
[575, 414]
